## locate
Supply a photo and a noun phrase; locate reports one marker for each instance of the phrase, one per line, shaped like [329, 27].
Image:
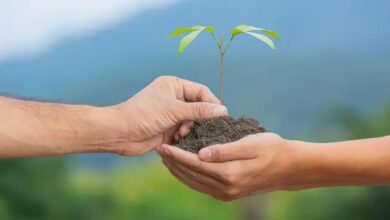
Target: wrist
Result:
[103, 130]
[303, 170]
[323, 165]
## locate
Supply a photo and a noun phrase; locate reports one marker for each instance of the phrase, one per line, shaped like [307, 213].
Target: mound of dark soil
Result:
[218, 131]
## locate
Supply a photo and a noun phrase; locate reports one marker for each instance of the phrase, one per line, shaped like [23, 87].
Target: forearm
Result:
[36, 129]
[350, 163]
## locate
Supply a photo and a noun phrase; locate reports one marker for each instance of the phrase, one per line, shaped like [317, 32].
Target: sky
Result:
[30, 27]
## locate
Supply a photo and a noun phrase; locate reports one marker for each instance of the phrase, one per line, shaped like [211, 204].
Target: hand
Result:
[255, 164]
[154, 115]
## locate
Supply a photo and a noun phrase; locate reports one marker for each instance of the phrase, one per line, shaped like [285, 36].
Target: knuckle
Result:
[200, 109]
[217, 153]
[233, 192]
[204, 90]
[232, 175]
[166, 78]
[134, 150]
[272, 135]
[163, 78]
[125, 151]
[230, 179]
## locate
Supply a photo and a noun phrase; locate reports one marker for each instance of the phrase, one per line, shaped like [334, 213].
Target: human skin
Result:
[148, 119]
[267, 162]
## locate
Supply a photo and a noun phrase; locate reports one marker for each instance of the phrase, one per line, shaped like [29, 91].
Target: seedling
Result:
[262, 34]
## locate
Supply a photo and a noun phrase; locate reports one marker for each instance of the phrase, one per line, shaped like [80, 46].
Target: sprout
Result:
[262, 34]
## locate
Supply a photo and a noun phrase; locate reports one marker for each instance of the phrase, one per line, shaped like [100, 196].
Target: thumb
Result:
[202, 110]
[238, 150]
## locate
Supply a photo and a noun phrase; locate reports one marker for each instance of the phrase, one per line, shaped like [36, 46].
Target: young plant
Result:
[264, 35]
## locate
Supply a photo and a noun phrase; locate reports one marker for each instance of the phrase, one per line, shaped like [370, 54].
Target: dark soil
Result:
[218, 131]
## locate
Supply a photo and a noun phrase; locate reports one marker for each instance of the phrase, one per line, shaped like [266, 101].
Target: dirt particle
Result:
[218, 131]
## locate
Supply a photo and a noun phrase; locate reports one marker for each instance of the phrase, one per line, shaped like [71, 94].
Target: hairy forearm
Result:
[30, 128]
[350, 163]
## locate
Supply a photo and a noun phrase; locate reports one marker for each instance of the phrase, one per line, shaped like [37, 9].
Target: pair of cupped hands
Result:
[164, 112]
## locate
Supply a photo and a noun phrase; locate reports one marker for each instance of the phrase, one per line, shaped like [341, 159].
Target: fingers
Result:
[239, 150]
[188, 181]
[205, 105]
[200, 110]
[201, 183]
[190, 160]
[225, 186]
[195, 92]
[185, 128]
[197, 176]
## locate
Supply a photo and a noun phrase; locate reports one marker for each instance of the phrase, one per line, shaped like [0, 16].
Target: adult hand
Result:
[154, 115]
[255, 164]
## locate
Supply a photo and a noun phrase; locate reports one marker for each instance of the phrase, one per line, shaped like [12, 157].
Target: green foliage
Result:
[32, 188]
[246, 29]
[48, 189]
[264, 36]
[241, 29]
[187, 40]
[180, 31]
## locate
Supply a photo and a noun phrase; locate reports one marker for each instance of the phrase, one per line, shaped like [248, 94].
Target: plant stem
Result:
[221, 68]
[222, 52]
[221, 80]
[228, 45]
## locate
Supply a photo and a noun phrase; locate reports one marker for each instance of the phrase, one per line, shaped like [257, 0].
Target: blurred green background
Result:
[328, 80]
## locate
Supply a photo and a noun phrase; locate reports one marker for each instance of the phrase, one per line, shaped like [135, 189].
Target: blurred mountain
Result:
[332, 52]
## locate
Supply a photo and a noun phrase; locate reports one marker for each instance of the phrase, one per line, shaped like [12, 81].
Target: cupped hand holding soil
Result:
[218, 130]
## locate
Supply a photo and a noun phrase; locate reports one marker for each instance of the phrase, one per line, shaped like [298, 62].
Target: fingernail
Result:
[205, 153]
[220, 111]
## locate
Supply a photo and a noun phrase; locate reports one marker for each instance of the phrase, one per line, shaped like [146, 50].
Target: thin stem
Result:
[228, 45]
[222, 52]
[216, 40]
[221, 68]
[221, 80]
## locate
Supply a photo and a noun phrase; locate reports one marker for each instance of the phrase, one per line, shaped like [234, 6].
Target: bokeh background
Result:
[328, 80]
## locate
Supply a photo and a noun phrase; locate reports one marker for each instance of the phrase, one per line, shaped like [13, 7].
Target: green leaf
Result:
[241, 29]
[180, 31]
[183, 30]
[263, 38]
[210, 29]
[246, 29]
[194, 32]
[186, 41]
[270, 33]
